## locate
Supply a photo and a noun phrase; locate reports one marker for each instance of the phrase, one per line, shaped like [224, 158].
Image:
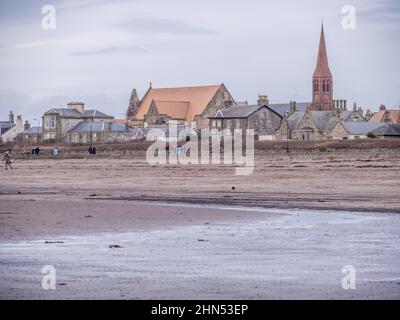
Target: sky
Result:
[100, 50]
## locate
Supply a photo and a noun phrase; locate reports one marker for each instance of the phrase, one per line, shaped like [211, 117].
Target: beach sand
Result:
[183, 232]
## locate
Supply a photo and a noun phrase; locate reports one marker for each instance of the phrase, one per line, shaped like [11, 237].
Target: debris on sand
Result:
[62, 284]
[114, 246]
[233, 188]
[92, 195]
[88, 216]
[50, 242]
[202, 240]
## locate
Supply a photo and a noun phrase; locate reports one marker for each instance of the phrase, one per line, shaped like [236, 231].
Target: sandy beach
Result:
[198, 232]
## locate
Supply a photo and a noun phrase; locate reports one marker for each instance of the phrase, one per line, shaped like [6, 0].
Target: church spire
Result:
[322, 70]
[322, 81]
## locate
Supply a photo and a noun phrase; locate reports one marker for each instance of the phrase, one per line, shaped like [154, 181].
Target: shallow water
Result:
[292, 254]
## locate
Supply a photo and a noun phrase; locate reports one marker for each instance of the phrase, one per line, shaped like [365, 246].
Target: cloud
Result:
[32, 44]
[387, 11]
[109, 50]
[162, 26]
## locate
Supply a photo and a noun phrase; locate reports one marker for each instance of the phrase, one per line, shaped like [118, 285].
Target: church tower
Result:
[322, 83]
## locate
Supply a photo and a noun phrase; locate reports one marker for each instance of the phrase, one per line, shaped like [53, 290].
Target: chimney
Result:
[11, 118]
[354, 106]
[382, 107]
[292, 106]
[26, 125]
[262, 100]
[80, 106]
[19, 124]
[345, 104]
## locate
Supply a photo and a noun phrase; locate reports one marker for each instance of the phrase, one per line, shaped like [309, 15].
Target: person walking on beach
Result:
[7, 160]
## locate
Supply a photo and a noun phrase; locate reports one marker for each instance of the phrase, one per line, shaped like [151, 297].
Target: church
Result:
[322, 117]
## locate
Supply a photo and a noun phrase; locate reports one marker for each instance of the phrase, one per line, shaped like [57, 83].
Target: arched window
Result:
[316, 86]
[327, 86]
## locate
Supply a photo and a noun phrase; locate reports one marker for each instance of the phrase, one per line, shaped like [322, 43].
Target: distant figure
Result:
[7, 160]
[92, 149]
[56, 151]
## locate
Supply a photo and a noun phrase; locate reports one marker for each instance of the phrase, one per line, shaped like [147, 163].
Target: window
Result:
[52, 121]
[237, 123]
[229, 127]
[316, 87]
[219, 124]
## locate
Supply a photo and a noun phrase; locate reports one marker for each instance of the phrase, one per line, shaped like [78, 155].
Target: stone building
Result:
[183, 105]
[94, 131]
[350, 130]
[262, 119]
[11, 129]
[307, 125]
[57, 122]
[31, 135]
[5, 125]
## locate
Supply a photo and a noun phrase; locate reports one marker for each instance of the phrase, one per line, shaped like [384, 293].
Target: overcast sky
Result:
[100, 50]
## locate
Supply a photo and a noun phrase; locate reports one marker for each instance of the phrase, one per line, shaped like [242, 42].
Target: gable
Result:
[198, 99]
[173, 109]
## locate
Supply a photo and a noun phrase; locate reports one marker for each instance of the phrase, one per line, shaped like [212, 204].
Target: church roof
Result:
[174, 109]
[197, 97]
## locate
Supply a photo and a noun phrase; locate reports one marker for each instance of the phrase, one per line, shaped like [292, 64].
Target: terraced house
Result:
[57, 122]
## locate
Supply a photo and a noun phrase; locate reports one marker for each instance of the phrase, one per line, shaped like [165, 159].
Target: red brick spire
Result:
[322, 69]
[322, 81]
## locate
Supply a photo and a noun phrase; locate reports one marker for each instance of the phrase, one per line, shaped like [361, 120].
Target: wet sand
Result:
[191, 252]
[361, 182]
[185, 233]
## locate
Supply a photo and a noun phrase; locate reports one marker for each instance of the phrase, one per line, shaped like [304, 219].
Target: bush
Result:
[371, 135]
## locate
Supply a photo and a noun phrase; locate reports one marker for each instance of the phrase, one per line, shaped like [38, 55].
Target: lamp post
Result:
[287, 136]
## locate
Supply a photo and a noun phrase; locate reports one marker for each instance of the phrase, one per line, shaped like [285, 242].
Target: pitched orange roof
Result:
[379, 116]
[197, 98]
[174, 109]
